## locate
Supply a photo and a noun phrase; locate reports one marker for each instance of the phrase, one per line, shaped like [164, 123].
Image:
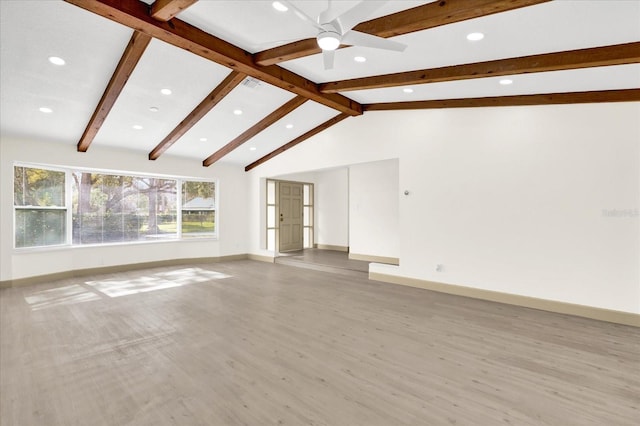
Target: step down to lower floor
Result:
[319, 267]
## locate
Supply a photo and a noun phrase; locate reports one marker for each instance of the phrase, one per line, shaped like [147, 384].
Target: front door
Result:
[290, 216]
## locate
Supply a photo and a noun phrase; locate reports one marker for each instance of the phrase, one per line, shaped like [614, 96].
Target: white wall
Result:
[332, 207]
[373, 209]
[508, 199]
[232, 216]
[513, 202]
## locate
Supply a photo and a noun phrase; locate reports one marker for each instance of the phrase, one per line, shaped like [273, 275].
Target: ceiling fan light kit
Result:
[328, 40]
[335, 30]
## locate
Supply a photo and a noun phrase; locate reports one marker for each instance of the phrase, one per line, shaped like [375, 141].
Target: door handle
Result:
[281, 218]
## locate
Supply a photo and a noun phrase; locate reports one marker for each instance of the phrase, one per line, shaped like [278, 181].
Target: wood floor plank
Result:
[250, 343]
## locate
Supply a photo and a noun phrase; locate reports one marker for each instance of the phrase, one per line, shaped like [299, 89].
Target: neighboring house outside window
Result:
[198, 208]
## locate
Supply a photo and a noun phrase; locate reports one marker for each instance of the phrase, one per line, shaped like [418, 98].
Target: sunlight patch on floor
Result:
[66, 295]
[157, 281]
[96, 290]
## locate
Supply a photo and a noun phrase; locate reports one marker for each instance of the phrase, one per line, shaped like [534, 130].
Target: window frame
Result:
[65, 208]
[68, 208]
[214, 209]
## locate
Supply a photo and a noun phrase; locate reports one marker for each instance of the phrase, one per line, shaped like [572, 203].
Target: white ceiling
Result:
[31, 31]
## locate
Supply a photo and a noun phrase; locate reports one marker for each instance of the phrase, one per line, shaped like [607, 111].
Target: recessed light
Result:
[279, 6]
[166, 91]
[506, 81]
[289, 126]
[55, 60]
[407, 90]
[46, 110]
[154, 109]
[253, 148]
[237, 111]
[475, 36]
[360, 59]
[137, 127]
[203, 139]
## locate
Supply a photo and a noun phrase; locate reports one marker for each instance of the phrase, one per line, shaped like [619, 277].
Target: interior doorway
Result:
[290, 216]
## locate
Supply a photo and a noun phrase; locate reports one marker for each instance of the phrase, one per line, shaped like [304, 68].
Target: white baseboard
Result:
[609, 315]
[38, 279]
[261, 258]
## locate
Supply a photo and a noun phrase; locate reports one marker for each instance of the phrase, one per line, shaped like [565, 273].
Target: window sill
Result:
[62, 247]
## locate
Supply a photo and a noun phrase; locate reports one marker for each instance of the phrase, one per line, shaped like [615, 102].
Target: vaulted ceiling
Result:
[247, 81]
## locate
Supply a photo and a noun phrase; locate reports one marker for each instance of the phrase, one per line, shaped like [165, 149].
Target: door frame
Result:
[272, 239]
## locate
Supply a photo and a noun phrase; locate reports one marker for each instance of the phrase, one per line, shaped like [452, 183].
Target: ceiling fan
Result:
[334, 30]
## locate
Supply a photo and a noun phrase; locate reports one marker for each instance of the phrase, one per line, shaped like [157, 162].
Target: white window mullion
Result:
[68, 200]
[179, 208]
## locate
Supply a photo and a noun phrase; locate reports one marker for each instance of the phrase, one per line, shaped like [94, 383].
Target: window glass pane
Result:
[198, 195]
[198, 221]
[162, 207]
[271, 216]
[306, 195]
[38, 187]
[271, 192]
[271, 239]
[40, 227]
[114, 208]
[306, 219]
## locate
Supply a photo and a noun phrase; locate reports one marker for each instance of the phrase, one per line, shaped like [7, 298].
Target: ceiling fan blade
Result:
[303, 16]
[327, 15]
[356, 38]
[358, 13]
[327, 57]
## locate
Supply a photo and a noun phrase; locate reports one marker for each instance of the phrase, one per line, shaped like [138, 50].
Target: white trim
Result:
[261, 258]
[592, 312]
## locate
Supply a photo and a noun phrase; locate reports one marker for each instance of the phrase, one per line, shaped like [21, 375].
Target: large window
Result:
[116, 208]
[108, 207]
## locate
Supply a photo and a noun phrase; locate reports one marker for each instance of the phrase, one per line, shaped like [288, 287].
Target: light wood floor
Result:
[325, 260]
[249, 343]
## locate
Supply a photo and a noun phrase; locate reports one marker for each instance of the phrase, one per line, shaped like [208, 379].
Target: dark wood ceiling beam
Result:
[419, 18]
[212, 99]
[618, 54]
[287, 52]
[132, 54]
[165, 10]
[335, 120]
[134, 14]
[255, 129]
[624, 95]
